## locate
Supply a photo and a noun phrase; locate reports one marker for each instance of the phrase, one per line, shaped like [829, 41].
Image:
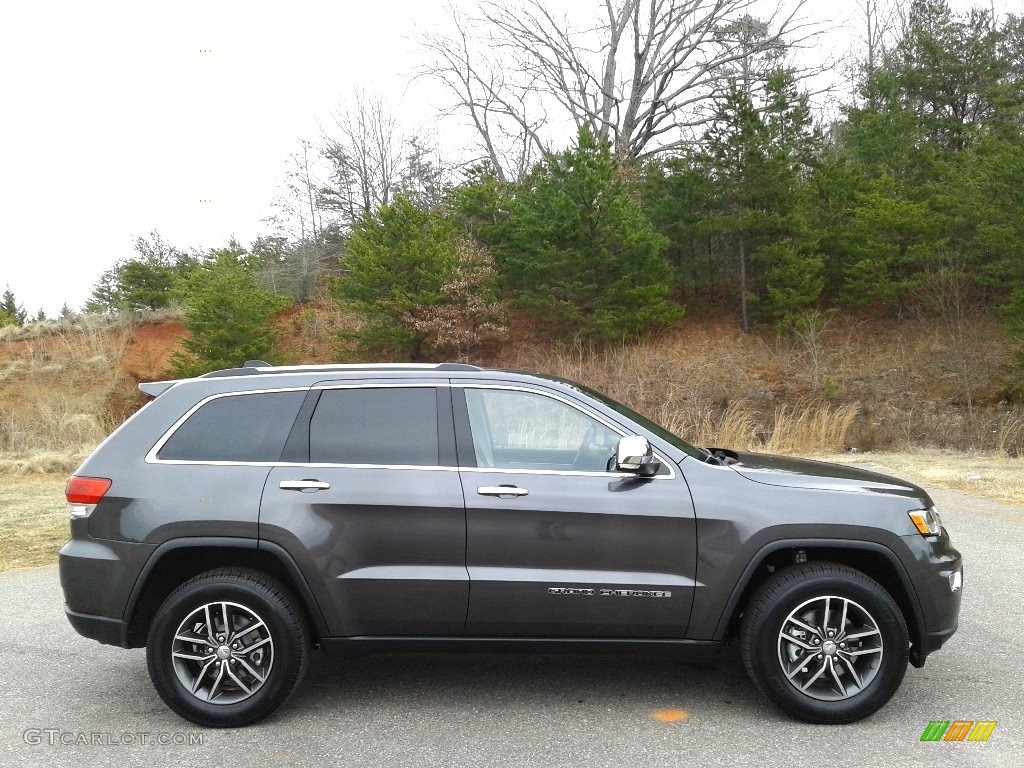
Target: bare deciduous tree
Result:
[948, 290]
[298, 213]
[505, 116]
[365, 154]
[877, 23]
[642, 78]
[292, 267]
[809, 328]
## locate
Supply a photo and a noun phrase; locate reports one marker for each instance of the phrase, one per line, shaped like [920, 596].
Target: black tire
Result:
[765, 651]
[284, 624]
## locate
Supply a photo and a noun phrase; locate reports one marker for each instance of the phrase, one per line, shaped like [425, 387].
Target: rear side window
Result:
[236, 428]
[392, 426]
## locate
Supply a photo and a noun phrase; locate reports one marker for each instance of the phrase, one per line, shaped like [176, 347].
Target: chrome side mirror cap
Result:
[634, 454]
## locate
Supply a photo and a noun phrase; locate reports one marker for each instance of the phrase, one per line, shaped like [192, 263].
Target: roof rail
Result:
[255, 367]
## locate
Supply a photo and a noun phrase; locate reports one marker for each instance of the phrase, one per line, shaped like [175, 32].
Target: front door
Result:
[558, 545]
[375, 514]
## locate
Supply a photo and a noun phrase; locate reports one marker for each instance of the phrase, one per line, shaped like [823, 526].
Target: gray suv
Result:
[244, 517]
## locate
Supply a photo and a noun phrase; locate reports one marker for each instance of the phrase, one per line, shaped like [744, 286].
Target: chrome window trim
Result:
[567, 472]
[423, 467]
[151, 456]
[310, 465]
[572, 404]
[321, 386]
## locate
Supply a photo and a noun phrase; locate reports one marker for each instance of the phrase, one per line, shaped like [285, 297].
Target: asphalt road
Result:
[489, 710]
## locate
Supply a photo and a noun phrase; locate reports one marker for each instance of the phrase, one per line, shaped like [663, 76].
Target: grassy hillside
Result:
[875, 386]
[65, 386]
[878, 385]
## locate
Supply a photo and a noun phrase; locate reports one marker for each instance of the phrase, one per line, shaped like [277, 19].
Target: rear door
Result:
[206, 474]
[558, 545]
[371, 505]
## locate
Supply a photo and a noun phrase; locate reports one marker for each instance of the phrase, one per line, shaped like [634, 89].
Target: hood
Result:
[803, 473]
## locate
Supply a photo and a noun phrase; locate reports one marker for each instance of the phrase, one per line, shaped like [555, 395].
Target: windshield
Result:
[643, 421]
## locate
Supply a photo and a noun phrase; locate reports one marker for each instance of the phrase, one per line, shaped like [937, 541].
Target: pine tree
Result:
[1015, 316]
[756, 154]
[144, 283]
[396, 263]
[11, 308]
[578, 251]
[227, 315]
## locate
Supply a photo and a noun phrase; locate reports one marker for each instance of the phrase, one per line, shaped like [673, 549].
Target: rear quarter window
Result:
[235, 428]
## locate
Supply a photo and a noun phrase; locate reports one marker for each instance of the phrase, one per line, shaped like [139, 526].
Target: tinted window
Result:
[396, 425]
[669, 437]
[521, 430]
[236, 428]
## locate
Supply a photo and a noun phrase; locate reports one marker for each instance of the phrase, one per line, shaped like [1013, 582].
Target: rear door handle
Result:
[303, 485]
[503, 491]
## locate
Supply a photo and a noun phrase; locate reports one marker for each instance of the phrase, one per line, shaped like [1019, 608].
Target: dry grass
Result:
[85, 324]
[878, 386]
[796, 429]
[1000, 478]
[313, 334]
[704, 391]
[44, 462]
[33, 521]
[801, 428]
[61, 392]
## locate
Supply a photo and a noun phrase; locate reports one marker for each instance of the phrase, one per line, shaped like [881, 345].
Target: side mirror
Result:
[634, 454]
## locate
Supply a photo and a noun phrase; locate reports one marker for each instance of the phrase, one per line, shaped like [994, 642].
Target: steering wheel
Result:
[583, 453]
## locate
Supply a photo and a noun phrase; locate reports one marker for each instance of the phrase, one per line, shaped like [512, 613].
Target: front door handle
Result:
[502, 491]
[303, 485]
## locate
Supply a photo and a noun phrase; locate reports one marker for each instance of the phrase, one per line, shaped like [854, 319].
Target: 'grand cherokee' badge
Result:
[586, 591]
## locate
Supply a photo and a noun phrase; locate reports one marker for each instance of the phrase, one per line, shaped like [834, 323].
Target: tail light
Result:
[84, 493]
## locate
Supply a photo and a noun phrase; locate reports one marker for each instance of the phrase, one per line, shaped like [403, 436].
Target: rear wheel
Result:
[825, 643]
[227, 647]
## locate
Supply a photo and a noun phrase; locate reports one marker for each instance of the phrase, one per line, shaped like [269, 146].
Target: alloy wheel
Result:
[830, 648]
[222, 653]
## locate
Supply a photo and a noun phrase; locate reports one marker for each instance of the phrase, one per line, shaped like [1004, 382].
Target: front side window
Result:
[246, 428]
[513, 429]
[385, 425]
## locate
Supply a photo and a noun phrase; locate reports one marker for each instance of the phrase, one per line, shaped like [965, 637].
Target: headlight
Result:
[927, 521]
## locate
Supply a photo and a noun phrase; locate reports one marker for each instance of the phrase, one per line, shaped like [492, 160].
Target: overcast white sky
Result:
[114, 123]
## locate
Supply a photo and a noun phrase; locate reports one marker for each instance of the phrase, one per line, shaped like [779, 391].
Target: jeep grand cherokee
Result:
[244, 517]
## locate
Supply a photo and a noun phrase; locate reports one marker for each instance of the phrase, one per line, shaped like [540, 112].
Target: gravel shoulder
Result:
[996, 477]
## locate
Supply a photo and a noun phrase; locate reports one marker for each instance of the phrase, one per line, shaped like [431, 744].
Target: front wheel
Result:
[227, 647]
[825, 643]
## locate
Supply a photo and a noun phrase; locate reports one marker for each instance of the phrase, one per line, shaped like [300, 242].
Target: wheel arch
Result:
[176, 561]
[870, 558]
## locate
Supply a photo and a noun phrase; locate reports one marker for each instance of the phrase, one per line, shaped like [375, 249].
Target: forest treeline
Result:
[689, 187]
